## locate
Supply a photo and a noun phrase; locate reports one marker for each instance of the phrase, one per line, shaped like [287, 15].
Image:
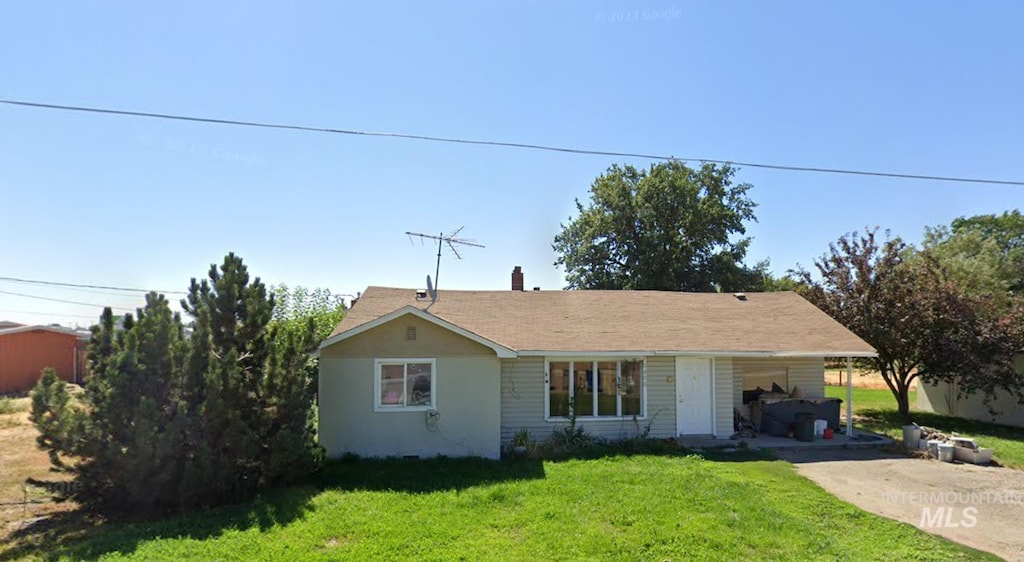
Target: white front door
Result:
[694, 397]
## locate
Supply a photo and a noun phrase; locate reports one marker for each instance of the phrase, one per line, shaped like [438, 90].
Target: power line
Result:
[85, 286]
[530, 146]
[12, 293]
[50, 314]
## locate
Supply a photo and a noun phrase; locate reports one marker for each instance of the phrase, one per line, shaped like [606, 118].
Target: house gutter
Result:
[680, 353]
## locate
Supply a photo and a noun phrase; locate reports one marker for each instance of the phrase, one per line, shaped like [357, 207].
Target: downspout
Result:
[849, 397]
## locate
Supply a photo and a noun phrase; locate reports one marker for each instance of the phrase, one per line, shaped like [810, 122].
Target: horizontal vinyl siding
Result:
[523, 397]
[661, 395]
[725, 392]
[807, 373]
[737, 388]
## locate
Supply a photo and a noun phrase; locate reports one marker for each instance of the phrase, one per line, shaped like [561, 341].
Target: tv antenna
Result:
[452, 240]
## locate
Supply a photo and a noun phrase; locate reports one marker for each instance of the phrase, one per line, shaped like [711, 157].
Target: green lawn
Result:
[633, 507]
[867, 398]
[877, 412]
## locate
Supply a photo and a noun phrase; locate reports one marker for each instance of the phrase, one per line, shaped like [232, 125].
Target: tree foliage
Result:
[174, 419]
[298, 310]
[294, 307]
[983, 253]
[670, 227]
[1006, 229]
[922, 324]
[54, 417]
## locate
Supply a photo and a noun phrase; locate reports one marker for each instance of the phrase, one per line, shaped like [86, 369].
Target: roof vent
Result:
[421, 293]
[536, 288]
[740, 296]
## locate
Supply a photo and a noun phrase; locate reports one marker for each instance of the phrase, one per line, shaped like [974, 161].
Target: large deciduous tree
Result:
[298, 310]
[175, 418]
[669, 227]
[922, 324]
[983, 253]
[297, 306]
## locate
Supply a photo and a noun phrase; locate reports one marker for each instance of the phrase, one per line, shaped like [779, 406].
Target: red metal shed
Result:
[26, 350]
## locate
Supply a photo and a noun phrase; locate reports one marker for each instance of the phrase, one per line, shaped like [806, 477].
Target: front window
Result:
[595, 389]
[404, 384]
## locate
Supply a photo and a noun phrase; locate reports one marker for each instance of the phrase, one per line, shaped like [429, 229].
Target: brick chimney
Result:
[517, 279]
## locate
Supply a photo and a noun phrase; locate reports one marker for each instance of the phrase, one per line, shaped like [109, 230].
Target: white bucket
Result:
[945, 452]
[911, 436]
[933, 447]
[819, 427]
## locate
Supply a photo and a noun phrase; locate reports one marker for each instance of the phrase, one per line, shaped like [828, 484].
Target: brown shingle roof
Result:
[606, 321]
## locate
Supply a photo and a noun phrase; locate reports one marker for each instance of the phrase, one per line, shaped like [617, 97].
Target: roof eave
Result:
[500, 350]
[692, 353]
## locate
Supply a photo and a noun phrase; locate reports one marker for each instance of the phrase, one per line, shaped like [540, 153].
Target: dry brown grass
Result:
[860, 379]
[21, 459]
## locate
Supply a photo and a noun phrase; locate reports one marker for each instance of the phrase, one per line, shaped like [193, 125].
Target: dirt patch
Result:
[20, 459]
[980, 506]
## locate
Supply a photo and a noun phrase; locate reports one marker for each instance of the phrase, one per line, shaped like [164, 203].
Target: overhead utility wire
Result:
[85, 286]
[12, 293]
[50, 314]
[506, 144]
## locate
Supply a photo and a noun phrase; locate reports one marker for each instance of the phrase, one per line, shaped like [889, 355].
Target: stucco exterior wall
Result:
[467, 395]
[390, 340]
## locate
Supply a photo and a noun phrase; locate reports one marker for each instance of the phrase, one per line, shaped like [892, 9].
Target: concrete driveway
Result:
[982, 507]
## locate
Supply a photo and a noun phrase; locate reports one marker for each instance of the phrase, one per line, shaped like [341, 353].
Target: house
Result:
[404, 375]
[26, 350]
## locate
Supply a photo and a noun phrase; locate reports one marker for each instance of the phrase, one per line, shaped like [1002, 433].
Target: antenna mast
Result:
[452, 239]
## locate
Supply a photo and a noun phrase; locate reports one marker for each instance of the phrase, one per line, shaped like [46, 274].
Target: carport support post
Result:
[849, 398]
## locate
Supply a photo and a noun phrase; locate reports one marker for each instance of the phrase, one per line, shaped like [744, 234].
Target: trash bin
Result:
[803, 427]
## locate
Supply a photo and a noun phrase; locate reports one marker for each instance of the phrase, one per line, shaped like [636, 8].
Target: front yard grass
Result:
[635, 507]
[875, 410]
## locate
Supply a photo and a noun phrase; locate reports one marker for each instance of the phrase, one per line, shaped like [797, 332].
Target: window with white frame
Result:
[404, 384]
[595, 388]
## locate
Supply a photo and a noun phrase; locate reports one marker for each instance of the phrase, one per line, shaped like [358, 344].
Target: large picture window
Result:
[595, 389]
[404, 384]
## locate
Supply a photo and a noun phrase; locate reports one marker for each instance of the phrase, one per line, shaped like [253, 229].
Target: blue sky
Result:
[895, 86]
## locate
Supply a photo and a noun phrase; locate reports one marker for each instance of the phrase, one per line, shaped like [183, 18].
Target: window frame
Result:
[594, 376]
[378, 363]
